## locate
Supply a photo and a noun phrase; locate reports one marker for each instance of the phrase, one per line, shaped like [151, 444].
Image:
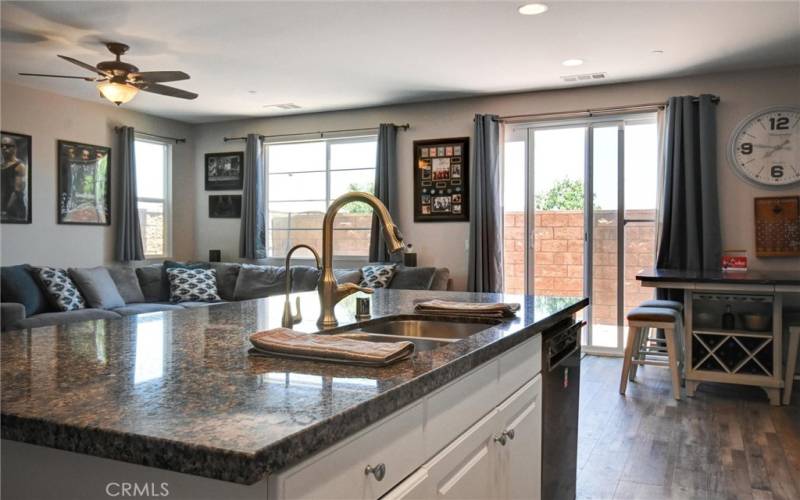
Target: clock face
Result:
[765, 149]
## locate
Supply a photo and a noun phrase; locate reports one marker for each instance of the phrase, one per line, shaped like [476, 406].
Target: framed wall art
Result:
[441, 182]
[84, 184]
[225, 206]
[224, 171]
[15, 183]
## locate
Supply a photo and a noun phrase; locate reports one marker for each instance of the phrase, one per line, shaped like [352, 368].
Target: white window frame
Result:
[327, 171]
[167, 201]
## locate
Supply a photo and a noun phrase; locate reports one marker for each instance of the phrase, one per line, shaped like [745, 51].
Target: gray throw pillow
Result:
[227, 274]
[192, 285]
[60, 289]
[97, 287]
[378, 275]
[347, 276]
[127, 284]
[153, 282]
[305, 278]
[255, 282]
[413, 278]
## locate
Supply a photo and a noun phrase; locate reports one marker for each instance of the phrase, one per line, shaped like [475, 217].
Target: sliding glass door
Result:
[589, 216]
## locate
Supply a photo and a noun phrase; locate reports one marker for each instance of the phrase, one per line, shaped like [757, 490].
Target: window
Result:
[153, 165]
[304, 177]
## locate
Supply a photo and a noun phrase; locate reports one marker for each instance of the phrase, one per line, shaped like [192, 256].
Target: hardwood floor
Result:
[725, 443]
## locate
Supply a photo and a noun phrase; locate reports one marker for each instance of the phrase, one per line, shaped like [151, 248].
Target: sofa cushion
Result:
[413, 278]
[197, 305]
[58, 318]
[227, 275]
[127, 284]
[255, 282]
[153, 283]
[60, 289]
[377, 275]
[18, 285]
[441, 279]
[131, 309]
[97, 287]
[347, 275]
[304, 278]
[192, 285]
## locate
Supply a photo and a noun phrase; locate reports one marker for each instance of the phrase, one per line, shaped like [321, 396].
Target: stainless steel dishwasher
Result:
[561, 381]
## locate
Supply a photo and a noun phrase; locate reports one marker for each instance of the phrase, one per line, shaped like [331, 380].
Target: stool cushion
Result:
[655, 314]
[669, 304]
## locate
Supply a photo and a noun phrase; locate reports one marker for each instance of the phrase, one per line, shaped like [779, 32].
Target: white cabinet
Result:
[497, 458]
[478, 437]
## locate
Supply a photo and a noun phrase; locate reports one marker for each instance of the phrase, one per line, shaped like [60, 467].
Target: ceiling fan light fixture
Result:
[118, 93]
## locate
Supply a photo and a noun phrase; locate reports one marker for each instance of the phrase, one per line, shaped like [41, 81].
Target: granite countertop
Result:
[741, 277]
[177, 390]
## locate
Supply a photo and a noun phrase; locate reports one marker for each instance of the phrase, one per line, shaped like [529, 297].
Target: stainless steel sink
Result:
[428, 328]
[426, 333]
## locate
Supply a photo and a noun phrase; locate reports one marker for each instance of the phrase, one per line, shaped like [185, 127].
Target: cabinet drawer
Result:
[520, 364]
[338, 473]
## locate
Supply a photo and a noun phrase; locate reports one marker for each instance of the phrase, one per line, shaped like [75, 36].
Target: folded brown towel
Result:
[289, 343]
[475, 309]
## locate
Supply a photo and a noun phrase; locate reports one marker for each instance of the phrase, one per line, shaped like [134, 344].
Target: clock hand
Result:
[777, 148]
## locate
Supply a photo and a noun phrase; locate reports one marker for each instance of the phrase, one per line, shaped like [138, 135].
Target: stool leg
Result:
[791, 366]
[641, 338]
[669, 333]
[633, 333]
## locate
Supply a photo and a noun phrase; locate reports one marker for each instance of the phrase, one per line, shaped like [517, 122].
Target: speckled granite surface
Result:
[177, 390]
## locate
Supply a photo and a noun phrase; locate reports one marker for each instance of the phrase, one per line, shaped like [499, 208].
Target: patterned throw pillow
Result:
[60, 289]
[192, 285]
[377, 276]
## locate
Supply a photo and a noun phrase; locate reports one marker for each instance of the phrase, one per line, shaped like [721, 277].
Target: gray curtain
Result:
[690, 234]
[252, 236]
[129, 236]
[485, 262]
[385, 188]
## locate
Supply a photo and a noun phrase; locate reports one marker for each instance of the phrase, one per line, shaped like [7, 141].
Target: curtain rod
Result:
[599, 111]
[321, 133]
[177, 140]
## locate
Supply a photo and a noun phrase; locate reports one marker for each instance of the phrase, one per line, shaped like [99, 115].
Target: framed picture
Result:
[224, 171]
[84, 184]
[225, 206]
[442, 164]
[15, 183]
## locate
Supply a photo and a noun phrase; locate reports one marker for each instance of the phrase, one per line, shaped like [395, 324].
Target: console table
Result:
[738, 355]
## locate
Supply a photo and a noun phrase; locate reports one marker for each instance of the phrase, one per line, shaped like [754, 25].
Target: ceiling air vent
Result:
[586, 77]
[286, 106]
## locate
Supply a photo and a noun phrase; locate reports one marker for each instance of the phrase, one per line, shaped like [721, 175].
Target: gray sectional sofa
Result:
[145, 289]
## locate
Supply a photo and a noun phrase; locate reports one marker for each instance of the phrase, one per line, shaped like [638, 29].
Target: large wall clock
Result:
[765, 147]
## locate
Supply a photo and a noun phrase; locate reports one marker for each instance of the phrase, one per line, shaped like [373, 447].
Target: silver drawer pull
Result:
[505, 437]
[379, 471]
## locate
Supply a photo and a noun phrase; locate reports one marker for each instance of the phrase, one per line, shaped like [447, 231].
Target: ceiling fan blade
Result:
[158, 76]
[86, 78]
[82, 65]
[155, 88]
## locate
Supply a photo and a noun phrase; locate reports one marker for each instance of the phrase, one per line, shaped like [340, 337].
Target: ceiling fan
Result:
[119, 82]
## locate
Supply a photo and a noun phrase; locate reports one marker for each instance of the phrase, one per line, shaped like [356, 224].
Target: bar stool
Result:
[791, 363]
[641, 318]
[649, 343]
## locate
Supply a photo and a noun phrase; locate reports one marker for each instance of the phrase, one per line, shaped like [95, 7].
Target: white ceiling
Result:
[337, 55]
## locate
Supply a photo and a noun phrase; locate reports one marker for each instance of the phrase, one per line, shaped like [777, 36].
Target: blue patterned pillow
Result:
[377, 276]
[192, 285]
[60, 289]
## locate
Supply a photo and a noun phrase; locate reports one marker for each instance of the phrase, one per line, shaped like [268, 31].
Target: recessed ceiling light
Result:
[657, 51]
[251, 91]
[532, 9]
[572, 62]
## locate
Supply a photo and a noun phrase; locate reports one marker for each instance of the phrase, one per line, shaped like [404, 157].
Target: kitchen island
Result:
[173, 398]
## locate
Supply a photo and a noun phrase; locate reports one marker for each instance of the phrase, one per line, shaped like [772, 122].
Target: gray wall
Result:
[49, 117]
[444, 244]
